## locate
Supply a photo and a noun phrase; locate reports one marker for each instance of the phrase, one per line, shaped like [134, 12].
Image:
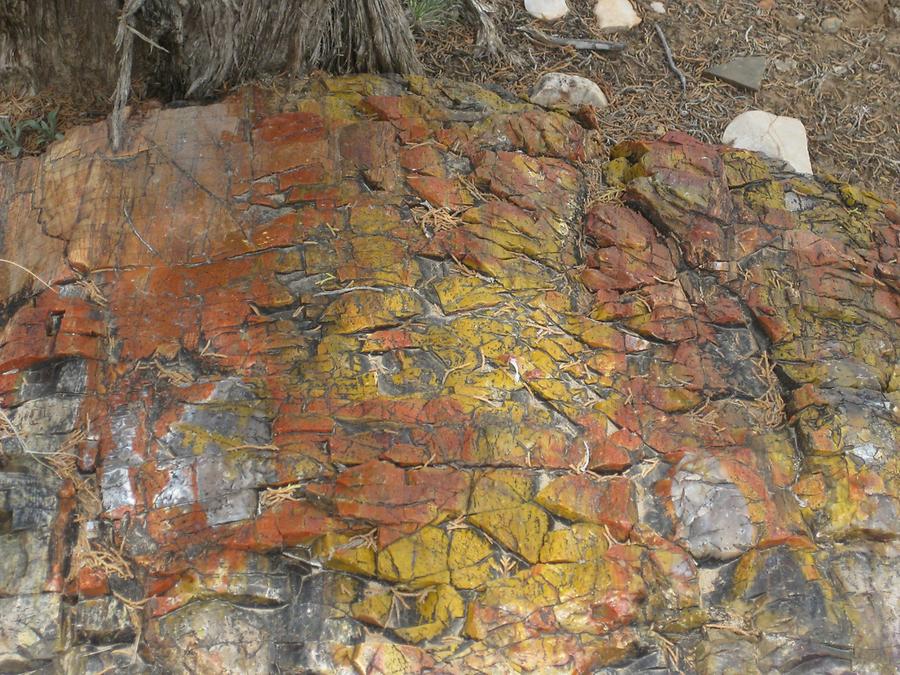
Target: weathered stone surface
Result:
[357, 380]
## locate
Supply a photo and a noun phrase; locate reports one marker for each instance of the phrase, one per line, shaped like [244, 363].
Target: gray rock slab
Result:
[743, 71]
[25, 562]
[29, 631]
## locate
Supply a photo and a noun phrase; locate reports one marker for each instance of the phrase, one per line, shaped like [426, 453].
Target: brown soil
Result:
[841, 86]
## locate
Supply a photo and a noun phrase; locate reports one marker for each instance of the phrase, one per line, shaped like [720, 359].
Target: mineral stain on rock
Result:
[361, 379]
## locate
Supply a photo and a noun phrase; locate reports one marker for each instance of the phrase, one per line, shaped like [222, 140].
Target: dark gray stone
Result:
[743, 71]
[26, 503]
[103, 620]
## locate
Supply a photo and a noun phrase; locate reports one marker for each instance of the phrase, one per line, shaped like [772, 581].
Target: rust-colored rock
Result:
[357, 381]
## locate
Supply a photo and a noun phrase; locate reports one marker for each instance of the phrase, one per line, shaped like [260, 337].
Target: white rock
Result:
[783, 138]
[548, 10]
[554, 89]
[616, 15]
[658, 7]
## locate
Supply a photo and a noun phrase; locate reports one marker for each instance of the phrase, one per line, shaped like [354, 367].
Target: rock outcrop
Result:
[378, 377]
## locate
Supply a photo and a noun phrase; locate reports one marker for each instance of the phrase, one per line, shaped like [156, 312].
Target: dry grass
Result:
[707, 416]
[468, 182]
[433, 220]
[8, 430]
[87, 553]
[400, 600]
[93, 291]
[272, 497]
[598, 192]
[174, 375]
[368, 540]
[64, 463]
[768, 409]
[75, 109]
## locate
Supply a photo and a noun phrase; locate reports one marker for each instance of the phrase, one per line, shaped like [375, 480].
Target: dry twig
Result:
[28, 271]
[670, 59]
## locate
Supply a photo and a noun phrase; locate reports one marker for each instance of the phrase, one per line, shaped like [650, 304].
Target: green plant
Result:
[11, 137]
[427, 13]
[47, 127]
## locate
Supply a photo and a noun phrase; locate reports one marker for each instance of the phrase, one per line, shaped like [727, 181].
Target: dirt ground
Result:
[843, 86]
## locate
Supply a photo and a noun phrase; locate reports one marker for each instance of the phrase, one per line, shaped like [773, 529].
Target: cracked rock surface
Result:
[359, 379]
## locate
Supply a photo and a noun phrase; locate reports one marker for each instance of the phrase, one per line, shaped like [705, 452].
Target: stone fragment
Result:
[90, 660]
[790, 596]
[870, 580]
[614, 15]
[713, 514]
[560, 89]
[783, 138]
[24, 567]
[103, 620]
[831, 25]
[743, 71]
[592, 598]
[239, 643]
[547, 10]
[381, 656]
[657, 7]
[257, 579]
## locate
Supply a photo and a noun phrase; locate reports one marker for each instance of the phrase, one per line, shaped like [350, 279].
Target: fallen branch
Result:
[578, 43]
[670, 59]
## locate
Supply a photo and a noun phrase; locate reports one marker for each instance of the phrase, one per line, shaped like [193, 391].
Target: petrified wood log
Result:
[357, 381]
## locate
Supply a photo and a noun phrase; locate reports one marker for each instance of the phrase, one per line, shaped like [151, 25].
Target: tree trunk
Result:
[57, 45]
[195, 49]
[213, 43]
